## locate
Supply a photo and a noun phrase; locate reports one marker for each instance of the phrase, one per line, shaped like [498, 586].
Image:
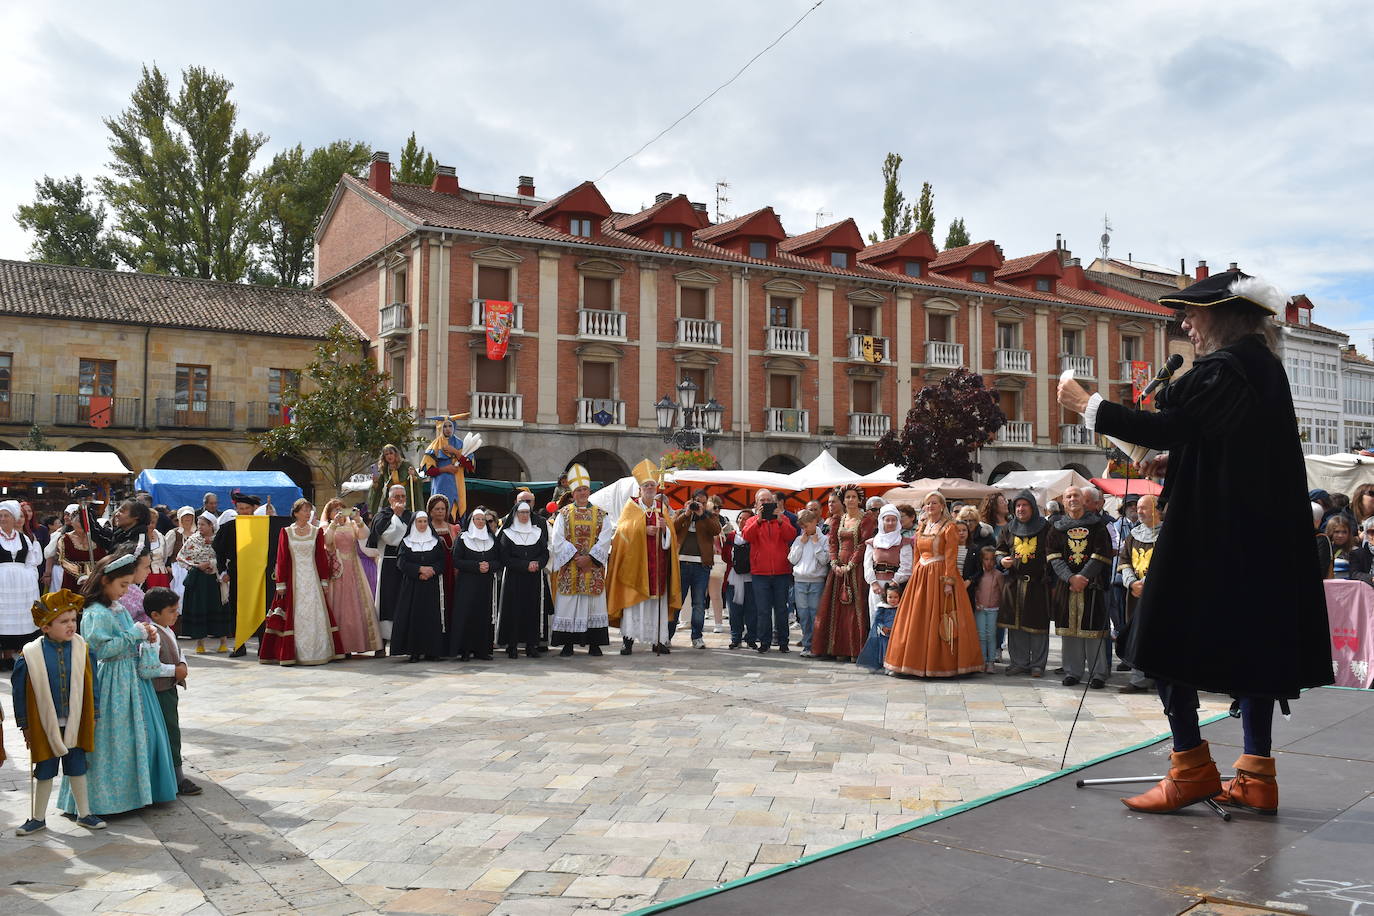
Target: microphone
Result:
[1166, 372]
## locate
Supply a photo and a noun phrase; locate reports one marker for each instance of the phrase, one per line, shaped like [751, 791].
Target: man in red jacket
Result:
[770, 534]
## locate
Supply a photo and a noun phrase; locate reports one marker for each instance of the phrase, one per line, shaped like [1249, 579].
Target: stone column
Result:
[547, 348]
[648, 346]
[1045, 370]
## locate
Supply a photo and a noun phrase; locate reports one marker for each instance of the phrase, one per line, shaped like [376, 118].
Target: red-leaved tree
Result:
[948, 422]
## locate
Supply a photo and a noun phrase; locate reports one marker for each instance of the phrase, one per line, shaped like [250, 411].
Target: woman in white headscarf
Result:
[20, 558]
[475, 565]
[203, 614]
[418, 629]
[523, 548]
[172, 543]
[888, 557]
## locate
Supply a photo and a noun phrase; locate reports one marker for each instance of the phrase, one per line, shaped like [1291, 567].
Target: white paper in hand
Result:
[1066, 376]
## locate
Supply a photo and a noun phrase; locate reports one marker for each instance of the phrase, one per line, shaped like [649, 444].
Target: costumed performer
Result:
[54, 705]
[474, 589]
[1025, 609]
[522, 547]
[642, 587]
[1230, 432]
[389, 526]
[300, 629]
[446, 461]
[580, 546]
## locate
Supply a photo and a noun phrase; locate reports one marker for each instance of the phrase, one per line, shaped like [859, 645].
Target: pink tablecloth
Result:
[1350, 609]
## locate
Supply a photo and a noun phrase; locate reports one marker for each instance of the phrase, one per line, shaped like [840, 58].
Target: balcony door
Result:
[493, 283]
[1010, 402]
[1009, 335]
[694, 303]
[782, 311]
[940, 327]
[598, 293]
[863, 320]
[192, 395]
[782, 391]
[95, 378]
[865, 396]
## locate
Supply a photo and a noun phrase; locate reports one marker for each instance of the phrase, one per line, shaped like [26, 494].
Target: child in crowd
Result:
[884, 614]
[742, 617]
[908, 515]
[985, 591]
[132, 766]
[163, 608]
[54, 704]
[810, 559]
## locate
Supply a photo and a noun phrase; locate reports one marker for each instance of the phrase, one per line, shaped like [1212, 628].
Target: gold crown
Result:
[54, 604]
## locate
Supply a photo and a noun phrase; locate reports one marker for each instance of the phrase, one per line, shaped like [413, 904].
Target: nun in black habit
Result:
[523, 548]
[475, 564]
[419, 626]
[1260, 631]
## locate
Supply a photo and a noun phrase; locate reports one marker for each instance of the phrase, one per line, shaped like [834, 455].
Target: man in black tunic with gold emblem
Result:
[1080, 555]
[1025, 610]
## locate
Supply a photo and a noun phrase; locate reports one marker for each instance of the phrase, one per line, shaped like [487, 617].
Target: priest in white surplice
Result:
[580, 547]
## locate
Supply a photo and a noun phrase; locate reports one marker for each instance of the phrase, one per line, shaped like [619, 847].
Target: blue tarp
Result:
[175, 489]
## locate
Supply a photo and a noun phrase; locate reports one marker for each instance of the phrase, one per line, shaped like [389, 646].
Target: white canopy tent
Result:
[822, 475]
[1046, 485]
[21, 464]
[1335, 473]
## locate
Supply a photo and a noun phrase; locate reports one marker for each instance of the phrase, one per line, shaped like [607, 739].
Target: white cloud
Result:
[1226, 131]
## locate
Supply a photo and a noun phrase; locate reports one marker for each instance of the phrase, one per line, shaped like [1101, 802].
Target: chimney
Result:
[379, 174]
[1058, 241]
[1202, 270]
[1233, 266]
[699, 207]
[1182, 267]
[525, 186]
[661, 196]
[445, 180]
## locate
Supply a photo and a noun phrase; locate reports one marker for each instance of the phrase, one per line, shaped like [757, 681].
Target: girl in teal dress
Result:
[132, 763]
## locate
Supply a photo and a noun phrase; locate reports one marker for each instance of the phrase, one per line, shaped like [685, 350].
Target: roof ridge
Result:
[156, 276]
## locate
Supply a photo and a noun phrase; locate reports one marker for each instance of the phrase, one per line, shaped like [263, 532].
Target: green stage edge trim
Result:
[905, 828]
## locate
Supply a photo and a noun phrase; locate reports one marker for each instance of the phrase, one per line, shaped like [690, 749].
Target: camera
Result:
[694, 507]
[768, 511]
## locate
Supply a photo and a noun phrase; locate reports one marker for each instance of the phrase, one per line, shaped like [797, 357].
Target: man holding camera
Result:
[770, 535]
[696, 528]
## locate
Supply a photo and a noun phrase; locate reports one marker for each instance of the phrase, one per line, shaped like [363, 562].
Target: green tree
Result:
[182, 190]
[417, 166]
[35, 441]
[958, 234]
[295, 188]
[897, 216]
[69, 227]
[346, 417]
[925, 209]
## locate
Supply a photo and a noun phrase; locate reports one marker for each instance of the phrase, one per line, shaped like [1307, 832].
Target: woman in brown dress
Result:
[934, 634]
[842, 619]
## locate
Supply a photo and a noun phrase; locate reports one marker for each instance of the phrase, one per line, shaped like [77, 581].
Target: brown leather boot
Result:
[1192, 778]
[1254, 787]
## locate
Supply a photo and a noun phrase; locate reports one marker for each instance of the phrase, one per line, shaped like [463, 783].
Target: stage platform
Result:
[1050, 847]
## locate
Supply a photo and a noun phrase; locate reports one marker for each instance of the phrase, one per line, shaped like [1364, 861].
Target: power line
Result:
[713, 92]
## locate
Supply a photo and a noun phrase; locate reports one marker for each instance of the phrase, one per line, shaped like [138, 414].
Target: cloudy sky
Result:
[1232, 130]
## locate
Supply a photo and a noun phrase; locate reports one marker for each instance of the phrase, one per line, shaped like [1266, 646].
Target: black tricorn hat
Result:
[1229, 286]
[238, 496]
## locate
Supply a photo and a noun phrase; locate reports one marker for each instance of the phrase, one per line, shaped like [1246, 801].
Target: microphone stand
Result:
[1215, 808]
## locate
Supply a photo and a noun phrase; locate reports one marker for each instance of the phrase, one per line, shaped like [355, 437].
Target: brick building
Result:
[802, 339]
[193, 367]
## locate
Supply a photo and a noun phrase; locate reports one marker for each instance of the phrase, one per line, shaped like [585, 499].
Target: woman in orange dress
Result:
[934, 634]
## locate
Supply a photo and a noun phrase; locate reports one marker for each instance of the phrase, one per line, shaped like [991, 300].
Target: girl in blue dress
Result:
[132, 763]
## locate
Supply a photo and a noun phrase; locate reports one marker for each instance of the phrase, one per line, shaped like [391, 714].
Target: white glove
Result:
[471, 443]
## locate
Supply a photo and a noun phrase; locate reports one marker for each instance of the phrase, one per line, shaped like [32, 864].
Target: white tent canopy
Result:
[1046, 485]
[32, 465]
[824, 471]
[1335, 473]
[883, 477]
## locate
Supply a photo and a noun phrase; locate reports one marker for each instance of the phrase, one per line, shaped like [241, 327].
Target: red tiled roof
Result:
[961, 254]
[919, 240]
[424, 207]
[87, 294]
[826, 234]
[593, 202]
[1020, 265]
[648, 216]
[1350, 356]
[760, 218]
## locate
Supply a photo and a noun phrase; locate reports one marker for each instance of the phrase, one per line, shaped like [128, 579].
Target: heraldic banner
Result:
[500, 322]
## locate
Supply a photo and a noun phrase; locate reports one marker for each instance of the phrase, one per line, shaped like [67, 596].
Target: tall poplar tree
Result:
[68, 226]
[925, 209]
[958, 234]
[296, 187]
[417, 166]
[897, 215]
[181, 188]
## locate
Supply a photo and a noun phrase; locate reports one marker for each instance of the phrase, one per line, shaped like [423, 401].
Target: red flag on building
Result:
[287, 415]
[1140, 380]
[500, 322]
[101, 410]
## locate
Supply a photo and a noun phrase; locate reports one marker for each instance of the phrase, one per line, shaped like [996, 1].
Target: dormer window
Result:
[839, 259]
[1044, 285]
[1304, 316]
[672, 238]
[758, 250]
[979, 276]
[580, 226]
[912, 268]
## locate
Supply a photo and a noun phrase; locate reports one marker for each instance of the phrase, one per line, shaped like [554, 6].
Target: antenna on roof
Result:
[1106, 240]
[821, 216]
[721, 200]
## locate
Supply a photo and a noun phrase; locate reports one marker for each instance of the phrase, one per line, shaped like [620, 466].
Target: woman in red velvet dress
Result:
[842, 618]
[300, 629]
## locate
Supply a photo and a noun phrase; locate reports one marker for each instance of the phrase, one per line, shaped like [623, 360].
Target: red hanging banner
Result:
[500, 322]
[1140, 380]
[101, 411]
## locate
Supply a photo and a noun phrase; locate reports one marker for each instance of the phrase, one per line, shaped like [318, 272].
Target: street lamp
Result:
[685, 424]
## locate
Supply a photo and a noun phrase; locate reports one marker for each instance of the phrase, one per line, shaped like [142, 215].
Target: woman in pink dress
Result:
[350, 597]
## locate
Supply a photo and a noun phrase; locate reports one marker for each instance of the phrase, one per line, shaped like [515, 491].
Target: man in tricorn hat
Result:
[1260, 631]
[579, 549]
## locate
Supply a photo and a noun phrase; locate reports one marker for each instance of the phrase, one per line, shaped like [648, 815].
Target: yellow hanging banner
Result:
[252, 534]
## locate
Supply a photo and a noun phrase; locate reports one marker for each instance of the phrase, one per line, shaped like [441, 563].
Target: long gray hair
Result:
[1230, 321]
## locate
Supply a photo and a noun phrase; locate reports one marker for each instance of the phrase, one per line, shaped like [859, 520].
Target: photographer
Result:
[696, 527]
[770, 535]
